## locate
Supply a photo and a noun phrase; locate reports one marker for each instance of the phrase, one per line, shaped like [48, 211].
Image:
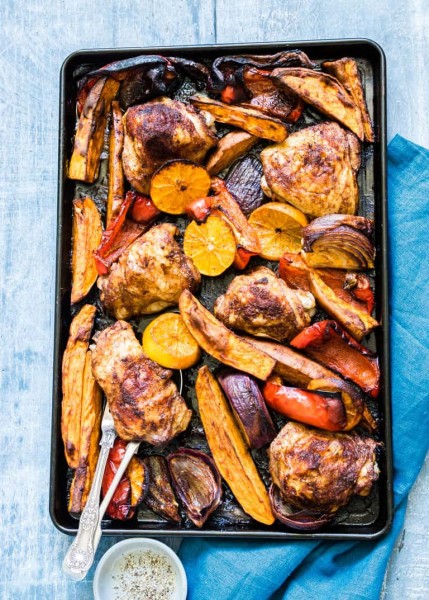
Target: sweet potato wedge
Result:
[356, 321]
[325, 93]
[290, 365]
[226, 206]
[73, 378]
[115, 194]
[230, 147]
[89, 448]
[87, 231]
[221, 343]
[250, 120]
[230, 453]
[346, 71]
[89, 138]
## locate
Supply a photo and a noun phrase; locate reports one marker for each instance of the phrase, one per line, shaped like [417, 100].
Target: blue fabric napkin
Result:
[255, 570]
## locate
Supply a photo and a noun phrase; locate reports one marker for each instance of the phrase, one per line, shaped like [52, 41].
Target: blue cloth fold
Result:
[254, 570]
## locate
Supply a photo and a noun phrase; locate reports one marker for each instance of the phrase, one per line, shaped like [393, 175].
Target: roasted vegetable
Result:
[143, 210]
[244, 183]
[225, 206]
[293, 367]
[132, 487]
[230, 147]
[160, 496]
[353, 288]
[267, 97]
[220, 342]
[102, 254]
[330, 345]
[197, 482]
[73, 379]
[351, 396]
[302, 520]
[324, 93]
[89, 138]
[339, 242]
[226, 75]
[89, 449]
[249, 408]
[229, 450]
[322, 410]
[356, 321]
[115, 195]
[248, 119]
[346, 72]
[87, 230]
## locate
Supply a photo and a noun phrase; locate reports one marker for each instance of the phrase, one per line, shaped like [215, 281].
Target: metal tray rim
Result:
[387, 425]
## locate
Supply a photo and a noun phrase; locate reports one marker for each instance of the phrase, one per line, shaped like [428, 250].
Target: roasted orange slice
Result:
[178, 183]
[211, 245]
[167, 341]
[279, 229]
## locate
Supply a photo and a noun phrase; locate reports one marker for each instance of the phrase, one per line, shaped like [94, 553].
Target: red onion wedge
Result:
[197, 483]
[302, 520]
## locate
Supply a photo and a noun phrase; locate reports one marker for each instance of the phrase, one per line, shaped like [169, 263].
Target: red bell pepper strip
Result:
[327, 343]
[143, 209]
[110, 234]
[242, 258]
[324, 410]
[120, 504]
[200, 209]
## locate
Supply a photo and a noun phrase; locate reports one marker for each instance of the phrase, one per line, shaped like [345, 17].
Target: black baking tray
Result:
[364, 518]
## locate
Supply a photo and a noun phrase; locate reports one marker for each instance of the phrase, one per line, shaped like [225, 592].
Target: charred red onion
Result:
[244, 183]
[160, 496]
[197, 482]
[249, 408]
[302, 520]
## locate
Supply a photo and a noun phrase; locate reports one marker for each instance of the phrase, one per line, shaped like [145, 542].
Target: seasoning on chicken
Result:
[144, 402]
[159, 131]
[314, 169]
[149, 276]
[320, 470]
[263, 305]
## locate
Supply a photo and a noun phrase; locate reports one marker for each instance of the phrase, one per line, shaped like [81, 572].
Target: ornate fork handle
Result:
[80, 555]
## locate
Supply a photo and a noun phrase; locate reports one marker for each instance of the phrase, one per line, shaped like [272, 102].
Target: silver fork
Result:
[80, 555]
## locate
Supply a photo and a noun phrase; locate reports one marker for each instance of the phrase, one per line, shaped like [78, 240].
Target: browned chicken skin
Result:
[144, 402]
[314, 169]
[262, 304]
[320, 471]
[149, 276]
[158, 131]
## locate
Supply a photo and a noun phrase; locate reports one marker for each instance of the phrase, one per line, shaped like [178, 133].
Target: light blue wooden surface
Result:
[36, 37]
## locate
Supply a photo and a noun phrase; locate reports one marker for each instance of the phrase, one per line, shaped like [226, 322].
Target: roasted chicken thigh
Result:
[161, 130]
[144, 402]
[320, 471]
[314, 169]
[263, 305]
[149, 276]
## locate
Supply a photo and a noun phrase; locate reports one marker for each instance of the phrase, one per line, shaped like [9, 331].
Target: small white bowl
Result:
[114, 569]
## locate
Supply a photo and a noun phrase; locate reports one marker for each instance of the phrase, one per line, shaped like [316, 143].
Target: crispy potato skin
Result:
[87, 231]
[325, 93]
[220, 342]
[250, 120]
[89, 138]
[89, 439]
[73, 374]
[346, 71]
[230, 453]
[230, 147]
[115, 195]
